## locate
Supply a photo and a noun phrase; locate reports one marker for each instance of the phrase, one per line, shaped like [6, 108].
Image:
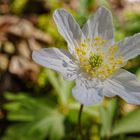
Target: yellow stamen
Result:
[98, 63]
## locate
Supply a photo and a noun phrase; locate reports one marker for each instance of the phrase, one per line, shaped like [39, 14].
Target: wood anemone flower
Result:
[94, 59]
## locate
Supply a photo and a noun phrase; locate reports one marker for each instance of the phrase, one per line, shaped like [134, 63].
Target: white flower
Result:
[94, 60]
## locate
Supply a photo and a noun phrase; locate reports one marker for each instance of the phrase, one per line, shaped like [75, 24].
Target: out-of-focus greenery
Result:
[49, 110]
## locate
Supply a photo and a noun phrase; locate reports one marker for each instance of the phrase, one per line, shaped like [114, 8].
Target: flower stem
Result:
[79, 120]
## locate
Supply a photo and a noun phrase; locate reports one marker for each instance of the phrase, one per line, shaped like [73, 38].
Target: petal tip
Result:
[103, 8]
[58, 12]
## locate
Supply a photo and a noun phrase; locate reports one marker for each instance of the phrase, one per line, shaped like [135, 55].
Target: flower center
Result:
[98, 62]
[95, 60]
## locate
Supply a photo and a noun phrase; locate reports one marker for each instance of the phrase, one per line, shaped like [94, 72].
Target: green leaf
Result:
[21, 131]
[24, 108]
[85, 5]
[103, 2]
[128, 124]
[107, 116]
[92, 111]
[88, 111]
[138, 73]
[55, 125]
[112, 111]
[36, 120]
[51, 125]
[62, 87]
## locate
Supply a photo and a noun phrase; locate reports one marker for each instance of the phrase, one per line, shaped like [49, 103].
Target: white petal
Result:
[99, 24]
[87, 92]
[125, 85]
[68, 28]
[58, 60]
[129, 47]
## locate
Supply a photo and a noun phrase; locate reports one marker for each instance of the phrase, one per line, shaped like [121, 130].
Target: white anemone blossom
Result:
[94, 59]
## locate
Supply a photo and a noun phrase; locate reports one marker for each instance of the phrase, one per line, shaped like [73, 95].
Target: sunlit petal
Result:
[100, 24]
[58, 60]
[68, 28]
[129, 47]
[125, 85]
[87, 92]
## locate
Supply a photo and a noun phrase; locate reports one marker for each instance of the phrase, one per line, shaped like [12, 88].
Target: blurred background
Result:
[35, 102]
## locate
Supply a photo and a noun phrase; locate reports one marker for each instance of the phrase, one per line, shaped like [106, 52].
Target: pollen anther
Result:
[98, 62]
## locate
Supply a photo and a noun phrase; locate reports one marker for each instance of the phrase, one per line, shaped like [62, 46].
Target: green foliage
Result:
[103, 2]
[138, 73]
[85, 5]
[107, 117]
[62, 87]
[35, 119]
[132, 21]
[128, 124]
[18, 6]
